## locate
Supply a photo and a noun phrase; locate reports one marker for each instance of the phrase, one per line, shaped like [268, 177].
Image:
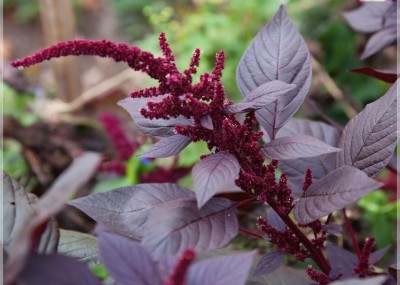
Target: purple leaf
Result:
[369, 139]
[335, 191]
[176, 225]
[206, 122]
[274, 220]
[389, 76]
[371, 17]
[379, 41]
[152, 127]
[341, 260]
[278, 52]
[56, 269]
[296, 146]
[261, 96]
[282, 276]
[319, 165]
[376, 280]
[166, 147]
[333, 229]
[127, 261]
[377, 255]
[126, 210]
[222, 270]
[269, 263]
[215, 174]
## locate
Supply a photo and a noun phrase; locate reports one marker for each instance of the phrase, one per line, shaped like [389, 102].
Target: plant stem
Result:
[352, 233]
[328, 220]
[244, 202]
[251, 233]
[316, 254]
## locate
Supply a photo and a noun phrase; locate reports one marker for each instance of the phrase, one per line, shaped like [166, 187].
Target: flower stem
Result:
[251, 233]
[316, 254]
[352, 233]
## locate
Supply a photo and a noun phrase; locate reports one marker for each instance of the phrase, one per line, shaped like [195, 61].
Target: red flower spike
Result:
[285, 240]
[308, 177]
[179, 272]
[362, 269]
[194, 63]
[319, 277]
[156, 68]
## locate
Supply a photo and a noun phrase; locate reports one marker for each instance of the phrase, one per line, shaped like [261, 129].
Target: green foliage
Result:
[25, 11]
[381, 215]
[110, 184]
[17, 105]
[100, 272]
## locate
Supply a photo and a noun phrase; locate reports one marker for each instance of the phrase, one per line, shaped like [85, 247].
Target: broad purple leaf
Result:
[278, 52]
[56, 269]
[369, 139]
[215, 174]
[274, 220]
[389, 76]
[282, 276]
[166, 147]
[269, 263]
[333, 229]
[376, 280]
[296, 146]
[379, 41]
[127, 261]
[371, 17]
[176, 225]
[335, 191]
[262, 96]
[341, 260]
[222, 270]
[377, 255]
[152, 127]
[320, 165]
[126, 210]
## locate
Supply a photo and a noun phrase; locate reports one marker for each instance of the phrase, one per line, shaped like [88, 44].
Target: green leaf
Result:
[100, 272]
[191, 154]
[110, 184]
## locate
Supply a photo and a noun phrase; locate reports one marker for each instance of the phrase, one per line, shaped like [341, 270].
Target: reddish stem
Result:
[316, 254]
[251, 233]
[352, 233]
[244, 202]
[328, 220]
